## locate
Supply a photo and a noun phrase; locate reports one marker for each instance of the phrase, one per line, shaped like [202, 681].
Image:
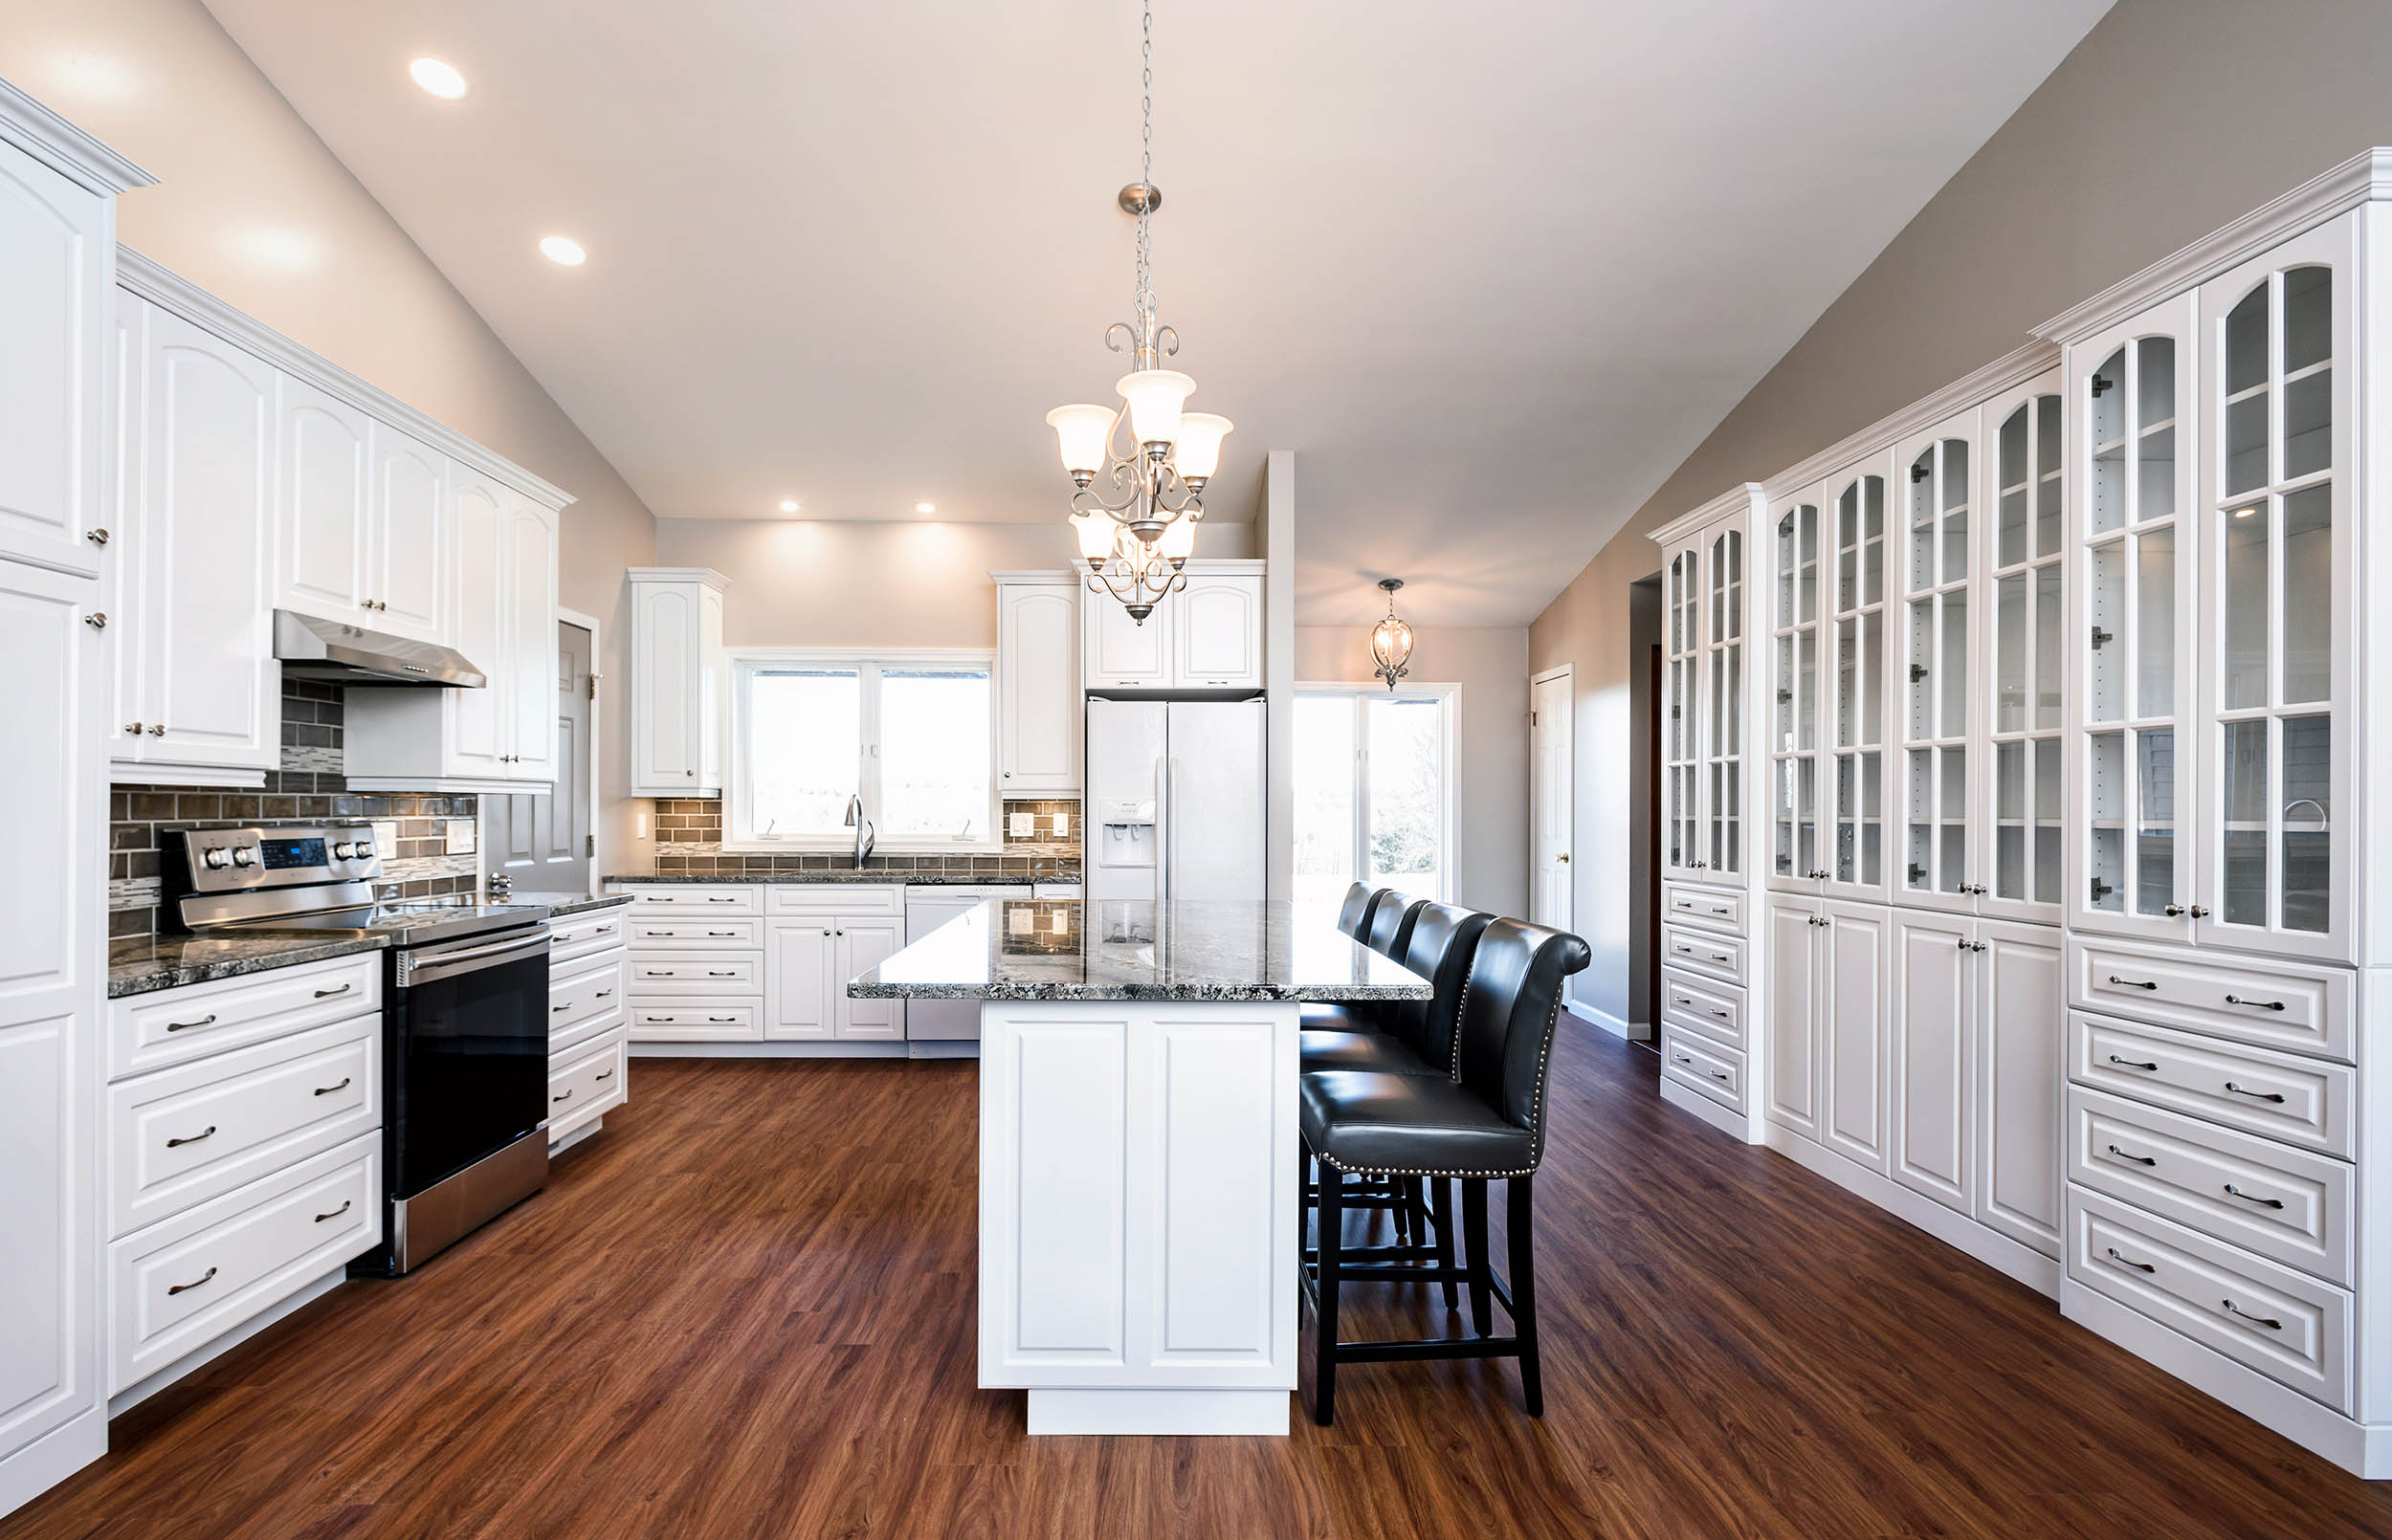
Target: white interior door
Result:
[1550, 783]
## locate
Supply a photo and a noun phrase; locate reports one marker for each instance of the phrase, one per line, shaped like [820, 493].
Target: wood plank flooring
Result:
[746, 1309]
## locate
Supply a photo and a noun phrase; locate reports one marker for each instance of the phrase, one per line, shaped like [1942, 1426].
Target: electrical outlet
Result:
[640, 824]
[1057, 823]
[1021, 825]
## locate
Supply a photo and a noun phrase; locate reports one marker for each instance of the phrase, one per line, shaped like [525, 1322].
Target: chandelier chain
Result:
[1145, 297]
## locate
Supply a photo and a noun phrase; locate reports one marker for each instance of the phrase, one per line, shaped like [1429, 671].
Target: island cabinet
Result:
[680, 682]
[589, 1017]
[1208, 636]
[1039, 705]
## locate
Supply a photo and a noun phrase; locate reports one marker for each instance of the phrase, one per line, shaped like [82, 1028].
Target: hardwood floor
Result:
[746, 1310]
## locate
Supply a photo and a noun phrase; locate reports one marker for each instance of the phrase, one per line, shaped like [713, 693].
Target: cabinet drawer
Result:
[585, 1087]
[694, 899]
[1721, 957]
[713, 931]
[2286, 1325]
[1703, 1005]
[184, 1281]
[2288, 1205]
[2298, 1008]
[2281, 1095]
[834, 898]
[183, 1135]
[697, 973]
[1700, 1063]
[175, 1026]
[583, 935]
[589, 999]
[696, 1021]
[1718, 909]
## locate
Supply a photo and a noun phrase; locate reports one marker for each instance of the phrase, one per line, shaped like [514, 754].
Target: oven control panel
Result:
[227, 860]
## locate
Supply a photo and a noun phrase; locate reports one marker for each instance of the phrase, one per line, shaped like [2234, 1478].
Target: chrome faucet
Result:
[863, 826]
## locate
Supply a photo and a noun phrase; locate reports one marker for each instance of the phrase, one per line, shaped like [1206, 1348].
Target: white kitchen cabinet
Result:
[530, 655]
[1039, 705]
[1933, 1075]
[801, 958]
[364, 528]
[1681, 709]
[408, 559]
[1703, 588]
[1797, 714]
[1208, 636]
[1937, 763]
[865, 942]
[2021, 608]
[199, 692]
[58, 250]
[1855, 1087]
[1117, 653]
[680, 682]
[1790, 1019]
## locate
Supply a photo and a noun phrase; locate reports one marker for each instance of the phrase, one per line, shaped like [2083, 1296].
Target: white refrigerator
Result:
[1176, 793]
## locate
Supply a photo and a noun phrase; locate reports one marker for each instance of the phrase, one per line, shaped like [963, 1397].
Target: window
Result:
[1374, 789]
[913, 735]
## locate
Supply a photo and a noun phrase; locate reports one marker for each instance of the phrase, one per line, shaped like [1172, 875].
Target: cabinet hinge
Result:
[2099, 385]
[1918, 874]
[593, 687]
[589, 845]
[2101, 890]
[1785, 695]
[2100, 636]
[1918, 672]
[1921, 472]
[1532, 718]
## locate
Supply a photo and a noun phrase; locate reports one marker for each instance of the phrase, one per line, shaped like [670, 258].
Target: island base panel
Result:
[1160, 1412]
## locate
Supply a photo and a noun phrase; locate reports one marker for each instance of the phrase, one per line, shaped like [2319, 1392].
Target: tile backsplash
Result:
[688, 842]
[427, 842]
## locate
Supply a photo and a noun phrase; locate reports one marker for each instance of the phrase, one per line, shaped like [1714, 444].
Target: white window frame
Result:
[1448, 699]
[739, 832]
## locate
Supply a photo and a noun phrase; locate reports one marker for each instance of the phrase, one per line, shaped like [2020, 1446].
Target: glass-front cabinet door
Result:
[1681, 722]
[1855, 537]
[2270, 859]
[2132, 388]
[1797, 860]
[1936, 866]
[1723, 852]
[2022, 548]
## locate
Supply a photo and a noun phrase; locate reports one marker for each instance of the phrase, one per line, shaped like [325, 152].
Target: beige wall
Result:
[801, 582]
[252, 208]
[1491, 813]
[2171, 118]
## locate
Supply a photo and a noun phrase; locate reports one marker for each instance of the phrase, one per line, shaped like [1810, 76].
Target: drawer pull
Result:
[2140, 1161]
[2125, 1262]
[2255, 1095]
[723, 1018]
[2263, 1202]
[2255, 1004]
[2137, 1064]
[177, 1288]
[2268, 1321]
[1718, 1012]
[173, 1144]
[607, 1075]
[1717, 1074]
[722, 933]
[2136, 984]
[607, 929]
[658, 972]
[721, 900]
[1681, 1058]
[1686, 1003]
[565, 1095]
[327, 994]
[602, 994]
[734, 973]
[345, 1206]
[185, 1026]
[553, 1009]
[327, 1090]
[1721, 957]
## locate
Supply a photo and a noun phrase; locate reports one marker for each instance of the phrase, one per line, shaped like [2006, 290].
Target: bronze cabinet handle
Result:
[177, 1288]
[336, 1212]
[327, 1090]
[2255, 1095]
[327, 994]
[604, 1075]
[553, 1009]
[567, 1096]
[185, 1026]
[192, 1139]
[602, 994]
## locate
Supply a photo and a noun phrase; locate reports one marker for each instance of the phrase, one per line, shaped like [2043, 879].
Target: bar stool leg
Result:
[1332, 1219]
[1520, 1227]
[1475, 1243]
[1440, 1194]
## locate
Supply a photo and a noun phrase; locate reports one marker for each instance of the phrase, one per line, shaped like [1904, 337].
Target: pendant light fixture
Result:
[1391, 640]
[1136, 531]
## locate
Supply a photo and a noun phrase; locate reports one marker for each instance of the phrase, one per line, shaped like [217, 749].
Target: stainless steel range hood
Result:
[335, 652]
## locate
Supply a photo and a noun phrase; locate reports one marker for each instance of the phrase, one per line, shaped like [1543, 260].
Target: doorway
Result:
[1552, 789]
[542, 841]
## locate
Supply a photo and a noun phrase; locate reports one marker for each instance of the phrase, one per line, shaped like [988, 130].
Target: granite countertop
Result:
[559, 905]
[1062, 949]
[138, 964]
[843, 874]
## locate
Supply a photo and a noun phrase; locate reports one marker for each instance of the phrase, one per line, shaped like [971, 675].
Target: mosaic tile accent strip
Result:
[688, 842]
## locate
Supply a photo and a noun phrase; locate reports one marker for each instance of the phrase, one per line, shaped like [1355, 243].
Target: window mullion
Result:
[1361, 789]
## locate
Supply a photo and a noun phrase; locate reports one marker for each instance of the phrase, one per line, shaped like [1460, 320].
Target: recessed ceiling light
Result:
[564, 251]
[925, 508]
[437, 77]
[788, 505]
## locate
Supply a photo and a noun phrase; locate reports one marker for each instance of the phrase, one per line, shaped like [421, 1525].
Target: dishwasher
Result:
[945, 1029]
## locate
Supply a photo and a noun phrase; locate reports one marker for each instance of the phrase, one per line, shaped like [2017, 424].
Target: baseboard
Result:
[142, 1389]
[768, 1050]
[1632, 1031]
[2363, 1449]
[52, 1459]
[576, 1137]
[1726, 1119]
[1959, 1231]
[943, 1048]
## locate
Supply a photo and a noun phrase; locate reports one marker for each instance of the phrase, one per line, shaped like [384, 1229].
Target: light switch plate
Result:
[1021, 825]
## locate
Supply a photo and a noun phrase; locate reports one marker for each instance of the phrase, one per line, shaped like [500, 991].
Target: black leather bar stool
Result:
[1487, 1124]
[1354, 916]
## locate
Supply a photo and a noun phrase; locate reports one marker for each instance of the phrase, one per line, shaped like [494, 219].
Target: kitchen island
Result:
[1137, 1147]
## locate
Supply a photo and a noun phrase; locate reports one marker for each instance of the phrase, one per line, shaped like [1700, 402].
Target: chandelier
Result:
[1391, 640]
[1139, 468]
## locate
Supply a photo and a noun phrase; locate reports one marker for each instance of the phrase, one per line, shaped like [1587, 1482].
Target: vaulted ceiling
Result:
[1492, 270]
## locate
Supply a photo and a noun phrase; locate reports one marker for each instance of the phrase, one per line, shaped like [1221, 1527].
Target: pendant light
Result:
[1391, 640]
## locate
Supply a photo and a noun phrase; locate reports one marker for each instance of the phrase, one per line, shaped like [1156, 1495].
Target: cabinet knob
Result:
[134, 727]
[96, 621]
[157, 730]
[97, 536]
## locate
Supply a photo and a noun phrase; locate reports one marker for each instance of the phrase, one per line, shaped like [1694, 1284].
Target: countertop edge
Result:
[148, 977]
[836, 878]
[562, 906]
[1152, 994]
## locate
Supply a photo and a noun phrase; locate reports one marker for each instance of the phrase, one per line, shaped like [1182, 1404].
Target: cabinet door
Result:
[56, 248]
[1933, 692]
[1038, 723]
[1796, 862]
[2023, 621]
[124, 577]
[1853, 1116]
[1217, 622]
[1119, 653]
[1854, 637]
[1721, 858]
[665, 711]
[2021, 1080]
[1793, 1027]
[1934, 968]
[2129, 784]
[410, 543]
[1681, 721]
[530, 648]
[799, 961]
[50, 991]
[321, 527]
[2272, 851]
[210, 685]
[865, 944]
[476, 717]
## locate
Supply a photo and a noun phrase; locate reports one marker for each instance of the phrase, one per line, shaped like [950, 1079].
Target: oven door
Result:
[467, 1054]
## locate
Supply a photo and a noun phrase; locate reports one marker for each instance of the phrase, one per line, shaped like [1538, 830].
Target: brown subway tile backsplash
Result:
[688, 842]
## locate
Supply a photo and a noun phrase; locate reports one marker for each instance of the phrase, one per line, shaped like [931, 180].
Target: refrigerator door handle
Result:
[1162, 826]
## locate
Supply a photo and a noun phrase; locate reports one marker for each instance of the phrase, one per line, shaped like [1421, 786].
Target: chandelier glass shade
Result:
[1391, 640]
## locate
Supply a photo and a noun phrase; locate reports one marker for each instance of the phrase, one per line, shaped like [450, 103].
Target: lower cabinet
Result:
[1826, 1028]
[761, 962]
[588, 1022]
[808, 960]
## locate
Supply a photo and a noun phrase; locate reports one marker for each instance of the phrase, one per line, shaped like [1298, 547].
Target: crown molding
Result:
[162, 287]
[2007, 372]
[2364, 178]
[1744, 498]
[706, 575]
[65, 148]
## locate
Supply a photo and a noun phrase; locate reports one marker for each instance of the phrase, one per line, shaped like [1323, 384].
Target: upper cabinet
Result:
[2022, 549]
[1038, 691]
[1703, 627]
[409, 562]
[680, 682]
[364, 532]
[56, 241]
[1934, 690]
[1207, 636]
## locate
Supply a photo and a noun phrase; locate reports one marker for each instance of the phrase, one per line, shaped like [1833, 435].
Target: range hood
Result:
[335, 652]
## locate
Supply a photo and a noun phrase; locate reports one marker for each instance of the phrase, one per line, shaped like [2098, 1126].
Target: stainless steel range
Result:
[465, 1015]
